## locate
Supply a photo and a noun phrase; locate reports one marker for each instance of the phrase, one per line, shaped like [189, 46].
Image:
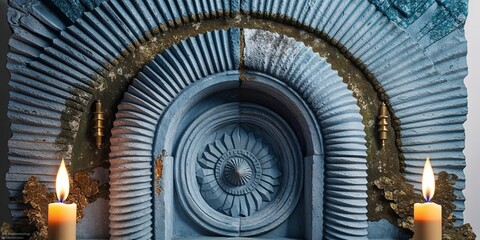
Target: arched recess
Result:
[56, 66]
[296, 66]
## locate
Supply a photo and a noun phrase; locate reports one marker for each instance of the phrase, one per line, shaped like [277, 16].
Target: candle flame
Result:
[428, 181]
[62, 184]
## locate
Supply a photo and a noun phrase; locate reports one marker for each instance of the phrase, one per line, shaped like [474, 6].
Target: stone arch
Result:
[57, 66]
[138, 113]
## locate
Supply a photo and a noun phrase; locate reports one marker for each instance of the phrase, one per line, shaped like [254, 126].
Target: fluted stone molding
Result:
[301, 69]
[131, 170]
[345, 151]
[423, 79]
[57, 65]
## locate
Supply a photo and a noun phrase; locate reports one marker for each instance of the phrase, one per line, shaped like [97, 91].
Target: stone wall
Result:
[64, 55]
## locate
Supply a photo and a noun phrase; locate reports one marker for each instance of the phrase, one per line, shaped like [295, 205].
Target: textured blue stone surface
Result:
[383, 230]
[314, 80]
[409, 66]
[415, 49]
[348, 152]
[71, 9]
[448, 15]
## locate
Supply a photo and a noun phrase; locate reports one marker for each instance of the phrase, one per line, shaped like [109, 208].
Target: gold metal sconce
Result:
[382, 125]
[98, 123]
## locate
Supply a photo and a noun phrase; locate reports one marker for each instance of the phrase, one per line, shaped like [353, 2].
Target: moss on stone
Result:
[401, 198]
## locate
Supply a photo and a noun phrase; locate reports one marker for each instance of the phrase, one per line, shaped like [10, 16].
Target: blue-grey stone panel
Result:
[131, 174]
[423, 79]
[430, 51]
[433, 20]
[338, 115]
[165, 77]
[247, 171]
[71, 9]
[55, 64]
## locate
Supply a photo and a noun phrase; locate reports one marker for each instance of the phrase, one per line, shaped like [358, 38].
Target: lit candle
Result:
[428, 216]
[62, 217]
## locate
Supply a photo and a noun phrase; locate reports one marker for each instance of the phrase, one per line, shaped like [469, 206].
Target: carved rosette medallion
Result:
[245, 172]
[239, 170]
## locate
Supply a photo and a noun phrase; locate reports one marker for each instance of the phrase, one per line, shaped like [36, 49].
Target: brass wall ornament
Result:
[382, 125]
[98, 123]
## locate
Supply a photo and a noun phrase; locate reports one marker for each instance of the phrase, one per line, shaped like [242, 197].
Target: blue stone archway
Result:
[338, 167]
[57, 65]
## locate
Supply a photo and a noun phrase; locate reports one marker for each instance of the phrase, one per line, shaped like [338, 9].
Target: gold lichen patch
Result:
[159, 171]
[402, 197]
[35, 194]
[6, 229]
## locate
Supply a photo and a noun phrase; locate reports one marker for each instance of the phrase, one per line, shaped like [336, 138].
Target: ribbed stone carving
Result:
[420, 73]
[57, 66]
[247, 176]
[311, 76]
[135, 125]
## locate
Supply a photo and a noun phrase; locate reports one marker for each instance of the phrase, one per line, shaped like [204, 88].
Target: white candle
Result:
[428, 216]
[62, 217]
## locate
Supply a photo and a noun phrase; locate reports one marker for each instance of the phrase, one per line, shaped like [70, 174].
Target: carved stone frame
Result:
[316, 106]
[57, 66]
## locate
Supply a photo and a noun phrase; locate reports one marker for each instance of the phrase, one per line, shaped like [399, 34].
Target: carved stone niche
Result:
[262, 137]
[238, 158]
[238, 165]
